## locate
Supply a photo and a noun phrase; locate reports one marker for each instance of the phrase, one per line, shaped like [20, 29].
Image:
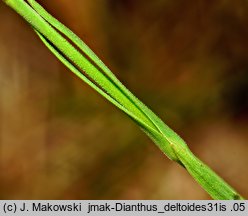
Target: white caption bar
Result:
[122, 207]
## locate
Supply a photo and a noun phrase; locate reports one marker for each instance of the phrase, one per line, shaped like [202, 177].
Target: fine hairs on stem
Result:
[82, 61]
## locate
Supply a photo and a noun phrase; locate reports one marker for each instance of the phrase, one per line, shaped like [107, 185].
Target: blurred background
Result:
[187, 60]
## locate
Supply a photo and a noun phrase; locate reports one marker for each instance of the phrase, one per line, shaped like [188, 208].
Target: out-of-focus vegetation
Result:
[53, 137]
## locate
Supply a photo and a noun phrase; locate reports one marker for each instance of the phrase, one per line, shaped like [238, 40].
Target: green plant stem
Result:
[82, 61]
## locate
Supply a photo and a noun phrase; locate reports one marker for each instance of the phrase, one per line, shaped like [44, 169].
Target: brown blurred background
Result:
[187, 60]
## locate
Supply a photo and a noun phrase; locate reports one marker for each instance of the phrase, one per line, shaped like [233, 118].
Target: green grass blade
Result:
[89, 68]
[168, 134]
[216, 187]
[75, 57]
[157, 137]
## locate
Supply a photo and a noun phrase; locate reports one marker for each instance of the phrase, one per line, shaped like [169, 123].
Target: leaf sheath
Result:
[83, 62]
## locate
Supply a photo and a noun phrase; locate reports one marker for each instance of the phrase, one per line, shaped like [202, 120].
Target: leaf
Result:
[84, 63]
